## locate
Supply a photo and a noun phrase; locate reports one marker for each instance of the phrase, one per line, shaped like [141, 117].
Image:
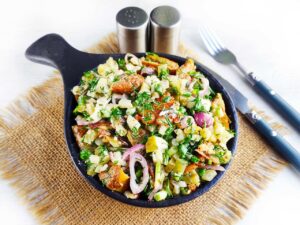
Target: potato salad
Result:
[149, 127]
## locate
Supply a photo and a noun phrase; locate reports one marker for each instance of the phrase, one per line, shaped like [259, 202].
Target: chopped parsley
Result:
[144, 101]
[85, 154]
[135, 132]
[116, 113]
[122, 64]
[199, 107]
[166, 99]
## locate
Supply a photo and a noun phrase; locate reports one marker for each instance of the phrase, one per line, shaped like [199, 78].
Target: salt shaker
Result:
[132, 29]
[165, 22]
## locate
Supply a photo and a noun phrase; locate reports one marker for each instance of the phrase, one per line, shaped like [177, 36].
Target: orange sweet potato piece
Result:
[115, 179]
[127, 83]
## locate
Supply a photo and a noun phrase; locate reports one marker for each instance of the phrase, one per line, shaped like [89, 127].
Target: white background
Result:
[264, 34]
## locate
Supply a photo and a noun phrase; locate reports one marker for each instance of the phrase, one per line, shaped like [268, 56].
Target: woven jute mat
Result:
[34, 158]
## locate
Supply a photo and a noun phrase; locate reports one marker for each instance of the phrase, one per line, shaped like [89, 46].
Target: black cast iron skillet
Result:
[54, 51]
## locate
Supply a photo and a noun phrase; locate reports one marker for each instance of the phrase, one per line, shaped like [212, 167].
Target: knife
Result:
[279, 144]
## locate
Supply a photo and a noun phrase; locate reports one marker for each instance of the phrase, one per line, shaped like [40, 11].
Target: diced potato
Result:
[206, 133]
[76, 90]
[226, 157]
[101, 168]
[161, 195]
[171, 165]
[125, 103]
[180, 165]
[209, 175]
[133, 123]
[155, 143]
[89, 137]
[162, 130]
[145, 88]
[102, 86]
[94, 159]
[130, 111]
[121, 130]
[91, 170]
[130, 195]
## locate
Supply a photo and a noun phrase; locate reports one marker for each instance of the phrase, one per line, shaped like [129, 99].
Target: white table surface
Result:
[264, 34]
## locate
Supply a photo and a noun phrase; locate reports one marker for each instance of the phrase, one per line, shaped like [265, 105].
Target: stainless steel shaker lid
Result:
[132, 19]
[165, 17]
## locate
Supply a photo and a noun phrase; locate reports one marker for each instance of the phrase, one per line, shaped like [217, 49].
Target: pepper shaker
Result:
[132, 30]
[165, 22]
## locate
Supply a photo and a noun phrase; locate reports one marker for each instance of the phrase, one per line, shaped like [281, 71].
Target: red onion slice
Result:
[184, 122]
[134, 186]
[83, 122]
[133, 149]
[203, 119]
[205, 85]
[209, 167]
[148, 71]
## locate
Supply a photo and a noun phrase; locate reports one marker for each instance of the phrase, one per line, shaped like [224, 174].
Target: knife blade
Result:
[278, 143]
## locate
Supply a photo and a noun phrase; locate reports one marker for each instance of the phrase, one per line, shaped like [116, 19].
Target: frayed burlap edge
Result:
[230, 210]
[27, 187]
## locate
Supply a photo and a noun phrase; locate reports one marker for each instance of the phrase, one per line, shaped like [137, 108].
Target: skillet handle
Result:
[53, 50]
[50, 50]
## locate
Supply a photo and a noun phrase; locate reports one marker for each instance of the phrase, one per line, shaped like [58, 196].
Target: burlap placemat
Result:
[34, 158]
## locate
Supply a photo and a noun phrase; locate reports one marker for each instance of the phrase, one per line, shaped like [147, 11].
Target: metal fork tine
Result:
[211, 48]
[215, 39]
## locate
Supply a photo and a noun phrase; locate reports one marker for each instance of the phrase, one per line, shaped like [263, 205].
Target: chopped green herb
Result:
[174, 91]
[163, 72]
[195, 74]
[187, 94]
[135, 132]
[182, 110]
[129, 72]
[167, 188]
[151, 53]
[122, 64]
[166, 99]
[201, 171]
[144, 101]
[166, 157]
[88, 75]
[86, 116]
[182, 150]
[116, 78]
[85, 154]
[199, 107]
[194, 159]
[189, 121]
[158, 89]
[116, 113]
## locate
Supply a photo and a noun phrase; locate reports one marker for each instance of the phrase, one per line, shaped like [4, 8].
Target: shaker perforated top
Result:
[132, 17]
[165, 16]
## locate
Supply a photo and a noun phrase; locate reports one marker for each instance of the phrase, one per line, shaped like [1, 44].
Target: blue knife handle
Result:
[279, 144]
[287, 111]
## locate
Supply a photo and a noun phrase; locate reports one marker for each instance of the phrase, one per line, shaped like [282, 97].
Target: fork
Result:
[223, 55]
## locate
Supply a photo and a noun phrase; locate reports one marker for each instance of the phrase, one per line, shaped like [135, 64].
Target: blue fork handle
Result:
[279, 144]
[286, 110]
